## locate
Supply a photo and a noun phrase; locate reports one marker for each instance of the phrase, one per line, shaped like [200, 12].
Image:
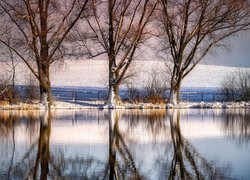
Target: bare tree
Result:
[191, 28]
[230, 88]
[116, 29]
[9, 60]
[38, 29]
[244, 84]
[156, 84]
[31, 90]
[4, 81]
[236, 86]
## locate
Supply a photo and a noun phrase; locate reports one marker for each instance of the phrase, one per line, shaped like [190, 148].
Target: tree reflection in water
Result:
[8, 121]
[25, 168]
[43, 152]
[6, 126]
[180, 159]
[185, 162]
[236, 122]
[127, 168]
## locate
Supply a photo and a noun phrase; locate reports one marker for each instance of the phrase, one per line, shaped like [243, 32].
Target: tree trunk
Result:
[117, 96]
[175, 93]
[13, 84]
[45, 95]
[113, 98]
[45, 87]
[176, 80]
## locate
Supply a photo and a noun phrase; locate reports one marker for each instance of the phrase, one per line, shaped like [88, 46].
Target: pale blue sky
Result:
[239, 55]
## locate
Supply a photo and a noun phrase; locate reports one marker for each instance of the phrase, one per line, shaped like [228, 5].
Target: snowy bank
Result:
[20, 106]
[81, 105]
[100, 105]
[213, 105]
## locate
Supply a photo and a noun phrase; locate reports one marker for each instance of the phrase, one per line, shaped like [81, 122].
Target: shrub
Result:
[156, 86]
[7, 91]
[31, 89]
[236, 87]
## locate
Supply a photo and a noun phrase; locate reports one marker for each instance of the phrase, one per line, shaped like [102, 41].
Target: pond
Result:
[125, 144]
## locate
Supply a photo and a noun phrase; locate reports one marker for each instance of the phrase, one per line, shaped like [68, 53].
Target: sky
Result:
[238, 55]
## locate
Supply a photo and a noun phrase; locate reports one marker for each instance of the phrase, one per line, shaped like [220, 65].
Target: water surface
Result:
[125, 144]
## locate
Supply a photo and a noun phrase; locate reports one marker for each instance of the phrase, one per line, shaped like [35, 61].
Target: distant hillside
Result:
[92, 73]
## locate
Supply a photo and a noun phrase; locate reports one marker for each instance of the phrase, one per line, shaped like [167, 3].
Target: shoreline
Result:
[73, 105]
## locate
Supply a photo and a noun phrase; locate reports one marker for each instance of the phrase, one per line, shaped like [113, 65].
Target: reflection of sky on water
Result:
[216, 135]
[225, 151]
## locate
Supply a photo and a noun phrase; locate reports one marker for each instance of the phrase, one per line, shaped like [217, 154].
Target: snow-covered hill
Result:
[94, 73]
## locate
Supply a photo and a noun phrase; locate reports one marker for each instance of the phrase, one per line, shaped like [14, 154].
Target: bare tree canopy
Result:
[191, 28]
[36, 30]
[114, 28]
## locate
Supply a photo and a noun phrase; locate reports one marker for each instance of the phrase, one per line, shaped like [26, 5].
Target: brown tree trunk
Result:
[112, 59]
[113, 85]
[44, 61]
[45, 87]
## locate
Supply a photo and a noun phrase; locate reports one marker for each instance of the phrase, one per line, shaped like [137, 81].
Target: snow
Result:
[101, 105]
[213, 105]
[94, 73]
[21, 106]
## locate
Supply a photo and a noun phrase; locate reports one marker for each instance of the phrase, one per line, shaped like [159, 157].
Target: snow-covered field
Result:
[94, 73]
